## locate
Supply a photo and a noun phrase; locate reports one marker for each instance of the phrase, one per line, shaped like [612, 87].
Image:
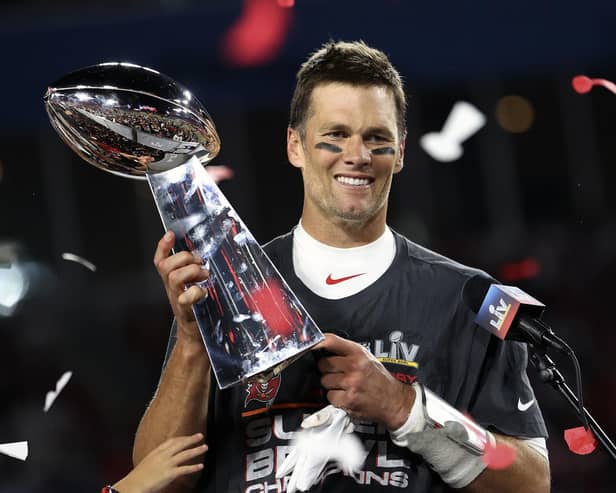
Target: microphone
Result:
[509, 313]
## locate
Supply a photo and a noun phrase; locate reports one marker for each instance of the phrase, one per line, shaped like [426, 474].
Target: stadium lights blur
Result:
[514, 113]
[13, 280]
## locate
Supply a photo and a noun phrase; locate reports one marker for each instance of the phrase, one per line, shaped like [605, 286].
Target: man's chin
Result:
[354, 215]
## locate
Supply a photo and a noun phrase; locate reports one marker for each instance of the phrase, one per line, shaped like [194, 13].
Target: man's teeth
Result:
[353, 181]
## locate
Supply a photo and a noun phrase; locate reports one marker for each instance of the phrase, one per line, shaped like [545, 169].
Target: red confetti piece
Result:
[258, 35]
[580, 441]
[286, 3]
[498, 457]
[525, 269]
[583, 84]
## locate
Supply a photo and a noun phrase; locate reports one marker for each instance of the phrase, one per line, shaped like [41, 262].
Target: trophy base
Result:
[267, 375]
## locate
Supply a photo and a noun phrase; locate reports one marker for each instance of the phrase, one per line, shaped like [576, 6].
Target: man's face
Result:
[350, 151]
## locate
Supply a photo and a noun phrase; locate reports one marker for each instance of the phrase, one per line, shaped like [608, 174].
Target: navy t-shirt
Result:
[414, 320]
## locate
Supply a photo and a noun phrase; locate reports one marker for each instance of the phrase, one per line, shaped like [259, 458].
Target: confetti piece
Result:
[220, 173]
[51, 395]
[463, 121]
[17, 450]
[258, 35]
[76, 258]
[583, 84]
[580, 441]
[522, 270]
[498, 457]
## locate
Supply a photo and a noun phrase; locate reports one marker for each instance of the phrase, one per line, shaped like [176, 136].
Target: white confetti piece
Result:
[463, 121]
[61, 383]
[17, 450]
[80, 260]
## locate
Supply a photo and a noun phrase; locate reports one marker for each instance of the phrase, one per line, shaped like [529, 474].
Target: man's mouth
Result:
[354, 181]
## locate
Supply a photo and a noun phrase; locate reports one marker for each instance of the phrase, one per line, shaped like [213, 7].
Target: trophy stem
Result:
[251, 322]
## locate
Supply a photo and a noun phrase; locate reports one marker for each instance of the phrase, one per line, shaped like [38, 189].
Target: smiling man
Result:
[404, 336]
[348, 150]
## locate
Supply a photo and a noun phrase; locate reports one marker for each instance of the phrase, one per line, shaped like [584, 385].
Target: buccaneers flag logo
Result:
[262, 391]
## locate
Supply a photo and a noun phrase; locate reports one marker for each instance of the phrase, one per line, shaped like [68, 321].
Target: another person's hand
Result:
[167, 462]
[177, 272]
[359, 383]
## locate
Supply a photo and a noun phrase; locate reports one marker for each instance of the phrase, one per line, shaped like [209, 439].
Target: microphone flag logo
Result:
[500, 307]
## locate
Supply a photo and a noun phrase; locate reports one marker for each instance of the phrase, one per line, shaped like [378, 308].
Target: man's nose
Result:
[356, 152]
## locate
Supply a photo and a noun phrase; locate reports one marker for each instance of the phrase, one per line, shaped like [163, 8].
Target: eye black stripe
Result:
[326, 146]
[380, 151]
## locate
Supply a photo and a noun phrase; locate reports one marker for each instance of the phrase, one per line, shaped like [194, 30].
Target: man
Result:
[396, 308]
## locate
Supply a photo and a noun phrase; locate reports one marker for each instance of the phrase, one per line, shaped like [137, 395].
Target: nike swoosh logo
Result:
[331, 281]
[523, 406]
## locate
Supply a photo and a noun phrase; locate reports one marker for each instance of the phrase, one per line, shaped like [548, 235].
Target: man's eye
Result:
[336, 134]
[376, 138]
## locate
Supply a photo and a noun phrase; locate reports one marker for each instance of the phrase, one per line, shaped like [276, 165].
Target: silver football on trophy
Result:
[130, 120]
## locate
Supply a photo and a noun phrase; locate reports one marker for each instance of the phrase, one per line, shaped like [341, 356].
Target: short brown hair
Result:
[353, 63]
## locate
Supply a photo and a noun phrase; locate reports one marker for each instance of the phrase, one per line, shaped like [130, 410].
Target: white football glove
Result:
[324, 436]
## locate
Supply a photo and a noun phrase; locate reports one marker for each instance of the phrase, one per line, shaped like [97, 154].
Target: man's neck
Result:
[342, 233]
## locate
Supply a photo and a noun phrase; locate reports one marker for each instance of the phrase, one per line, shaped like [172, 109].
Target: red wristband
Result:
[109, 489]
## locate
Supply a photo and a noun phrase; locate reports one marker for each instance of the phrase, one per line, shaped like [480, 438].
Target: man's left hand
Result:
[359, 383]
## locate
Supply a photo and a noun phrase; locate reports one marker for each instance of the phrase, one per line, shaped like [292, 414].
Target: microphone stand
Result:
[548, 373]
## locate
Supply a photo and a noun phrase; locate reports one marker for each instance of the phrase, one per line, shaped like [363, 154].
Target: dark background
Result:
[542, 198]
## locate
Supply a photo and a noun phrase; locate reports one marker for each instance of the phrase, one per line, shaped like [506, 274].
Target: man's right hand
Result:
[179, 271]
[179, 406]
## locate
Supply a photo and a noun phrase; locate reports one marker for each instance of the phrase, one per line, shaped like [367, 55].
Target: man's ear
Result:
[400, 162]
[295, 148]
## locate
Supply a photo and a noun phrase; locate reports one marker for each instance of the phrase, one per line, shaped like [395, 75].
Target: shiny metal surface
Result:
[135, 122]
[130, 120]
[251, 322]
